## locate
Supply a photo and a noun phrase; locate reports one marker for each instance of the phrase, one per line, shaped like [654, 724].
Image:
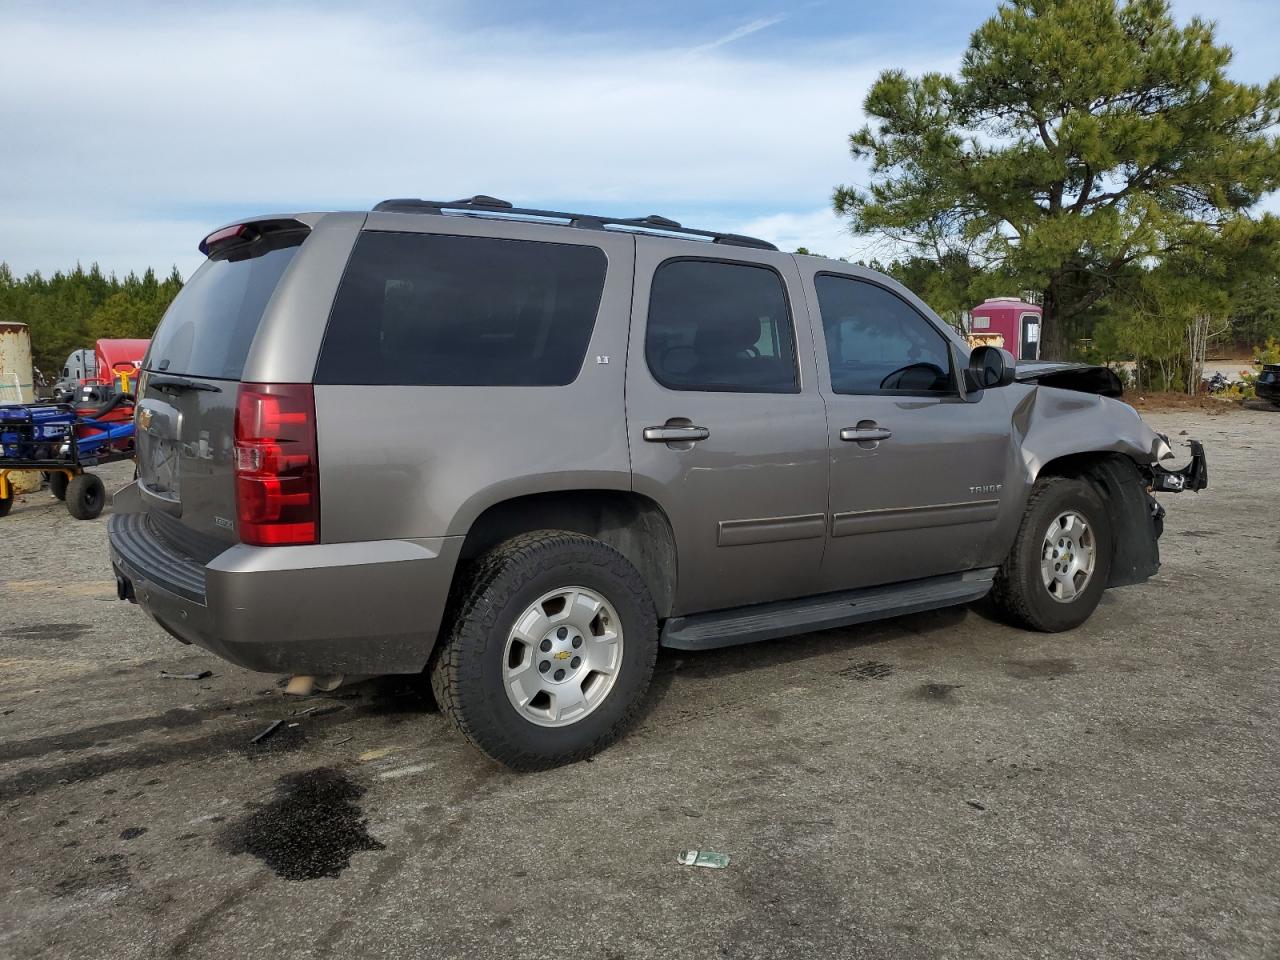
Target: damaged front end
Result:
[1194, 476]
[1070, 421]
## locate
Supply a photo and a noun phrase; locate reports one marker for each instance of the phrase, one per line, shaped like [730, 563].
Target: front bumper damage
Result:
[1194, 476]
[1137, 517]
[1160, 479]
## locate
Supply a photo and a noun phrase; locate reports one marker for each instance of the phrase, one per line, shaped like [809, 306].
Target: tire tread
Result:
[1013, 587]
[474, 615]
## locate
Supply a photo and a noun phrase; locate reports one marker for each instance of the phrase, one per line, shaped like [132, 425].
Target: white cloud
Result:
[820, 231]
[120, 130]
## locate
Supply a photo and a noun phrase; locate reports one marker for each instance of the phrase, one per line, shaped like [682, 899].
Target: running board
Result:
[765, 621]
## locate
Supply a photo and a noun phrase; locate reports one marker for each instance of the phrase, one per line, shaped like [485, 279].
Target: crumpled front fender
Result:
[1050, 423]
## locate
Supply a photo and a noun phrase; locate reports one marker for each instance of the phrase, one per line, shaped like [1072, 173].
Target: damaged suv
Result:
[522, 449]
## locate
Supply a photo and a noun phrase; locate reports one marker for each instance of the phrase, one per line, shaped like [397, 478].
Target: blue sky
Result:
[131, 129]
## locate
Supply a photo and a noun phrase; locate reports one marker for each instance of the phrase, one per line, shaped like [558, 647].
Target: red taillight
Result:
[277, 475]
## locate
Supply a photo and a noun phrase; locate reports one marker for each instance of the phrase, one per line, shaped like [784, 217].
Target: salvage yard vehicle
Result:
[1267, 385]
[522, 449]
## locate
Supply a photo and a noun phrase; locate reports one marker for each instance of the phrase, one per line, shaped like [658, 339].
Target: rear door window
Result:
[210, 326]
[431, 309]
[718, 326]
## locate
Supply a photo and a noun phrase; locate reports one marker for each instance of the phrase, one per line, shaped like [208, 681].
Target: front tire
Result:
[550, 652]
[1060, 563]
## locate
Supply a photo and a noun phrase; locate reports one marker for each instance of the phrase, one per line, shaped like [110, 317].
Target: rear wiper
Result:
[176, 382]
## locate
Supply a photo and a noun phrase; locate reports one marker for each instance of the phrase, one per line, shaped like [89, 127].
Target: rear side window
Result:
[877, 343]
[210, 326]
[720, 327]
[435, 310]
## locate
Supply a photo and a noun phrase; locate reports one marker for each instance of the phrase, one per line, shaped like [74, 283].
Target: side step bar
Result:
[765, 621]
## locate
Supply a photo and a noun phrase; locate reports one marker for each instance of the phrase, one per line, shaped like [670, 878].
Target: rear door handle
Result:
[856, 434]
[675, 434]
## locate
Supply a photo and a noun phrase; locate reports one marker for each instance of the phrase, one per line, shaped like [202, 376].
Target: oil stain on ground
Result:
[48, 631]
[310, 829]
[867, 670]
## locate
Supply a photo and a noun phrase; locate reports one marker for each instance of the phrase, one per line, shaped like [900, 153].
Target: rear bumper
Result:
[352, 608]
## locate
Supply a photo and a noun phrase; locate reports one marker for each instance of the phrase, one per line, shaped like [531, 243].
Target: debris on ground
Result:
[975, 804]
[703, 858]
[318, 711]
[186, 676]
[275, 725]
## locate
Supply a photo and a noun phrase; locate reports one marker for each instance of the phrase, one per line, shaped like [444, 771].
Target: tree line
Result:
[1145, 318]
[67, 311]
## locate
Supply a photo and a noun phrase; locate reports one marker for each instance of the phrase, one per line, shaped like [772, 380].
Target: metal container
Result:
[17, 385]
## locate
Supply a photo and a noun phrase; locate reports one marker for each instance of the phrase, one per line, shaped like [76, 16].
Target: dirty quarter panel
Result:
[468, 362]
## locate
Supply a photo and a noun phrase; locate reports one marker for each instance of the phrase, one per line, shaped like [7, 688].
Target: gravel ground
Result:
[939, 785]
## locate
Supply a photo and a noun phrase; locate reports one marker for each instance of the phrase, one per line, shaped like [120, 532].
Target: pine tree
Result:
[1081, 138]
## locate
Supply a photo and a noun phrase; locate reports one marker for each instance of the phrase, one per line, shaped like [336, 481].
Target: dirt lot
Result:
[936, 786]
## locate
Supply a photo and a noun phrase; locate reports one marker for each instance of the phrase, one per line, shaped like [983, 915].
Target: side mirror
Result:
[989, 367]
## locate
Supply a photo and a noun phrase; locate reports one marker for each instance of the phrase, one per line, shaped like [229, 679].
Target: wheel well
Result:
[632, 524]
[1076, 464]
[1123, 489]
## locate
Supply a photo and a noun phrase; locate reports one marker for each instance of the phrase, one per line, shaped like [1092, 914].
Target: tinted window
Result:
[720, 326]
[209, 328]
[878, 343]
[427, 309]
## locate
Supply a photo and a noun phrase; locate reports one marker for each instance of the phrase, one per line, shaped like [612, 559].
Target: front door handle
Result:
[675, 434]
[863, 434]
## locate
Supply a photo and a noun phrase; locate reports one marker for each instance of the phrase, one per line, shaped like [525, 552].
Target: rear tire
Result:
[574, 593]
[58, 484]
[86, 496]
[1060, 563]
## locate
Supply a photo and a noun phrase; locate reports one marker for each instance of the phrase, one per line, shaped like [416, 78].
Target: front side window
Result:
[877, 343]
[716, 326]
[435, 310]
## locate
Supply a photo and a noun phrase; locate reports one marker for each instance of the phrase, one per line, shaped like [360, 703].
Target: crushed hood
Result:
[1081, 377]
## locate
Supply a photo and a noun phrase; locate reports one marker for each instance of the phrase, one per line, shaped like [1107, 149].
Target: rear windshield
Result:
[209, 328]
[429, 309]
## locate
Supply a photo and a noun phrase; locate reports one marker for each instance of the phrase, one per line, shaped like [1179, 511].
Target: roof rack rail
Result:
[587, 221]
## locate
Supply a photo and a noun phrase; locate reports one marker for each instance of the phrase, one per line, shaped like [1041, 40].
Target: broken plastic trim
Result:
[1194, 476]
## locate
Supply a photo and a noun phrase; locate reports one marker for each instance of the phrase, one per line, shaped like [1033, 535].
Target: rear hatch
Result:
[188, 389]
